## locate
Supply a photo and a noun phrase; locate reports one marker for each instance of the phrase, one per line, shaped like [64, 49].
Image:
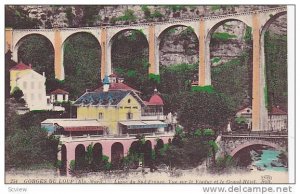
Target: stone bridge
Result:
[233, 143]
[203, 28]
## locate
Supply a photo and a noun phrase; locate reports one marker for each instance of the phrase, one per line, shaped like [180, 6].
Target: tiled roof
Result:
[277, 111]
[101, 98]
[59, 91]
[118, 86]
[20, 66]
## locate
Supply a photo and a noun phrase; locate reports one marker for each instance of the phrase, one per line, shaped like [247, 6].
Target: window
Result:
[100, 115]
[129, 101]
[129, 115]
[32, 96]
[25, 85]
[40, 85]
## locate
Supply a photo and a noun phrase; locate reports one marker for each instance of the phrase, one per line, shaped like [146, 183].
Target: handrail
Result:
[256, 133]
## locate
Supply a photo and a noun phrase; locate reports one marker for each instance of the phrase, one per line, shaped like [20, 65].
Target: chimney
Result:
[43, 74]
[30, 65]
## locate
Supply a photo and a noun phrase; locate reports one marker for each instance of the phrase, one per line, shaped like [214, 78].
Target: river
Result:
[262, 158]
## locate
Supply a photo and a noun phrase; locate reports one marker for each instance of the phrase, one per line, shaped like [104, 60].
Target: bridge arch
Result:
[28, 49]
[129, 47]
[22, 39]
[255, 142]
[76, 67]
[185, 40]
[268, 22]
[218, 42]
[68, 37]
[212, 29]
[69, 33]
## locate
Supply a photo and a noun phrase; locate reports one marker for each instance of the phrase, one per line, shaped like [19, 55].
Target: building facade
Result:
[32, 85]
[112, 117]
[277, 119]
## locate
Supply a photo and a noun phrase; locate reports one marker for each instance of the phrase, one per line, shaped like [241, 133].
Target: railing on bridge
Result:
[256, 133]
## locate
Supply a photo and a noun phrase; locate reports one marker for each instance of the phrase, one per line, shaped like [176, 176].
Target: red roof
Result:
[20, 66]
[118, 86]
[277, 111]
[155, 100]
[85, 128]
[59, 91]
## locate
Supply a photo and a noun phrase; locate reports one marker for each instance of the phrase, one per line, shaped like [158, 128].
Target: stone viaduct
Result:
[203, 27]
[231, 144]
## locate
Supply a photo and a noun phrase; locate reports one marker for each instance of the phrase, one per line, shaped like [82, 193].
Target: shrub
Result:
[154, 77]
[223, 36]
[17, 94]
[208, 89]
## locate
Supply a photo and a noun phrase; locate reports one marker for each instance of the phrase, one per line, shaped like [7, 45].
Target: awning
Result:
[143, 124]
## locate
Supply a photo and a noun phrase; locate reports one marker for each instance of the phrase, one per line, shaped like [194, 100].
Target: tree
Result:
[201, 110]
[28, 147]
[17, 94]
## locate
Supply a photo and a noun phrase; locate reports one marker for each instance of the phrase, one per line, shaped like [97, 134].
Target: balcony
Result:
[153, 116]
[88, 137]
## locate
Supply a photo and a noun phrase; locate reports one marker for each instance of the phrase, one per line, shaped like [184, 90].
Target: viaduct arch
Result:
[258, 20]
[255, 142]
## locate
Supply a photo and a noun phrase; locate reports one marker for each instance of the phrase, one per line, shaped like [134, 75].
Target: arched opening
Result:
[63, 167]
[82, 63]
[117, 153]
[178, 45]
[229, 45]
[134, 147]
[147, 150]
[97, 156]
[274, 57]
[79, 157]
[261, 156]
[178, 62]
[159, 145]
[37, 50]
[130, 57]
